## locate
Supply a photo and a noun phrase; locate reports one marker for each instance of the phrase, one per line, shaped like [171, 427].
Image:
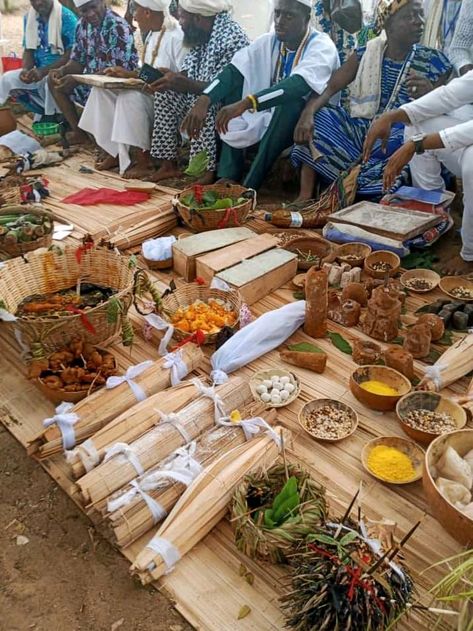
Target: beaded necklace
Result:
[284, 53]
[156, 48]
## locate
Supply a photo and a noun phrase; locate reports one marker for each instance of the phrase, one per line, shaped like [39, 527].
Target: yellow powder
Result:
[390, 464]
[378, 387]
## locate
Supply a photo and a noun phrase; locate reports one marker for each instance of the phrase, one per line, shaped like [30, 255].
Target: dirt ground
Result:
[66, 577]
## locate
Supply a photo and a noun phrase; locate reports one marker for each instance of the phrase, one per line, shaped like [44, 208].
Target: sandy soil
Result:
[66, 578]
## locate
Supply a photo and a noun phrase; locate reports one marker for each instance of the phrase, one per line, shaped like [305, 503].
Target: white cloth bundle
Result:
[258, 338]
[158, 249]
[54, 29]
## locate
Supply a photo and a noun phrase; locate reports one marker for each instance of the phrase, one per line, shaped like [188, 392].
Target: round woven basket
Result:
[18, 249]
[187, 295]
[202, 220]
[49, 272]
[274, 544]
[155, 265]
[10, 195]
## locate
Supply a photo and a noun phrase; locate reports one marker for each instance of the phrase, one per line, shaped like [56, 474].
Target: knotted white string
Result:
[174, 363]
[128, 453]
[132, 373]
[209, 392]
[65, 419]
[174, 420]
[218, 377]
[161, 325]
[158, 512]
[87, 454]
[166, 550]
[218, 283]
[251, 427]
[434, 373]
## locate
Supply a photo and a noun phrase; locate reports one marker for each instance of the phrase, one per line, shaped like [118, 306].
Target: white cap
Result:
[80, 3]
[162, 6]
[207, 8]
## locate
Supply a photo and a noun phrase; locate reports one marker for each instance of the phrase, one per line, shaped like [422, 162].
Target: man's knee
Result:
[467, 166]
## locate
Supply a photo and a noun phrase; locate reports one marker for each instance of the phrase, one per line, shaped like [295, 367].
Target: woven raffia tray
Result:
[48, 272]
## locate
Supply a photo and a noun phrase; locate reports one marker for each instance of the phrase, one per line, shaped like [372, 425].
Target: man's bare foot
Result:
[301, 199]
[78, 138]
[208, 178]
[139, 172]
[107, 164]
[164, 173]
[456, 267]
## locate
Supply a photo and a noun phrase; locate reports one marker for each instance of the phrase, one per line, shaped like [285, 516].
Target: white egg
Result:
[275, 398]
[275, 379]
[261, 389]
[278, 386]
[289, 387]
[285, 380]
[268, 383]
[265, 397]
[284, 395]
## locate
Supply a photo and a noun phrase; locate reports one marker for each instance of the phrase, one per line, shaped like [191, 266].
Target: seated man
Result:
[49, 36]
[461, 48]
[274, 75]
[103, 39]
[440, 132]
[121, 119]
[213, 38]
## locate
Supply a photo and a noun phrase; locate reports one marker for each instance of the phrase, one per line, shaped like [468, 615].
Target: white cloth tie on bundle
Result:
[166, 550]
[128, 453]
[218, 283]
[183, 468]
[6, 316]
[209, 392]
[218, 377]
[132, 373]
[161, 325]
[174, 420]
[435, 374]
[65, 419]
[251, 427]
[87, 453]
[175, 363]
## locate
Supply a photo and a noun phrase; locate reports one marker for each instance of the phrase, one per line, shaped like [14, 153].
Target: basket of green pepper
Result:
[216, 206]
[24, 228]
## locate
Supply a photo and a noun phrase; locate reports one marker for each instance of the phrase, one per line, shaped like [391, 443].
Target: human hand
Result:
[55, 77]
[174, 81]
[417, 85]
[195, 119]
[226, 114]
[119, 72]
[66, 84]
[304, 131]
[380, 130]
[396, 163]
[25, 75]
[37, 74]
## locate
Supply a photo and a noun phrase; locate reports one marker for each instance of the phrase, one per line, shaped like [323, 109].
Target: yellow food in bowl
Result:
[378, 387]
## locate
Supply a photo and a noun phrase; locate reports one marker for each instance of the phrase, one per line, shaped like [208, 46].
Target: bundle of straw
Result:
[99, 409]
[135, 517]
[455, 363]
[129, 426]
[202, 506]
[117, 470]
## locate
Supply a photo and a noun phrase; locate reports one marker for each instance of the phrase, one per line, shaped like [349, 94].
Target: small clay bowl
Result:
[382, 256]
[388, 376]
[408, 447]
[459, 525]
[320, 403]
[299, 281]
[450, 283]
[433, 402]
[261, 376]
[357, 250]
[422, 274]
[316, 246]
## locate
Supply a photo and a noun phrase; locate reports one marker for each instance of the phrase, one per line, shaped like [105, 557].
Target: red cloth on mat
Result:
[92, 196]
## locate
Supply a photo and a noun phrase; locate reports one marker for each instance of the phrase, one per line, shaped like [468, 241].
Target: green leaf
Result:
[340, 342]
[188, 200]
[424, 308]
[286, 508]
[299, 295]
[415, 381]
[432, 357]
[209, 198]
[305, 347]
[419, 260]
[114, 309]
[244, 611]
[132, 262]
[446, 339]
[398, 340]
[324, 539]
[288, 489]
[3, 305]
[348, 538]
[268, 518]
[199, 164]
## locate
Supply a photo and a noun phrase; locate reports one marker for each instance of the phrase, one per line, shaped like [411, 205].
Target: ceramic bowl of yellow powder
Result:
[393, 460]
[379, 387]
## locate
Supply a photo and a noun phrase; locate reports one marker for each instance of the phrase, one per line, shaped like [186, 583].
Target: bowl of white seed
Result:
[328, 420]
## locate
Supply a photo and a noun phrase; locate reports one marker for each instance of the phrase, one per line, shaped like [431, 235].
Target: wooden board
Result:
[388, 221]
[210, 264]
[109, 83]
[185, 251]
[259, 276]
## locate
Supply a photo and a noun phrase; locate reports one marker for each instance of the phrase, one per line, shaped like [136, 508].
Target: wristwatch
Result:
[418, 141]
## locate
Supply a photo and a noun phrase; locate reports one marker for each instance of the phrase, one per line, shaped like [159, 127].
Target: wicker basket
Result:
[18, 249]
[316, 246]
[188, 294]
[48, 272]
[156, 265]
[10, 195]
[202, 220]
[274, 544]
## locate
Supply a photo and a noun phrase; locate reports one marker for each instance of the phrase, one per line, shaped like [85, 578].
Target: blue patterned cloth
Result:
[112, 44]
[43, 56]
[340, 138]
